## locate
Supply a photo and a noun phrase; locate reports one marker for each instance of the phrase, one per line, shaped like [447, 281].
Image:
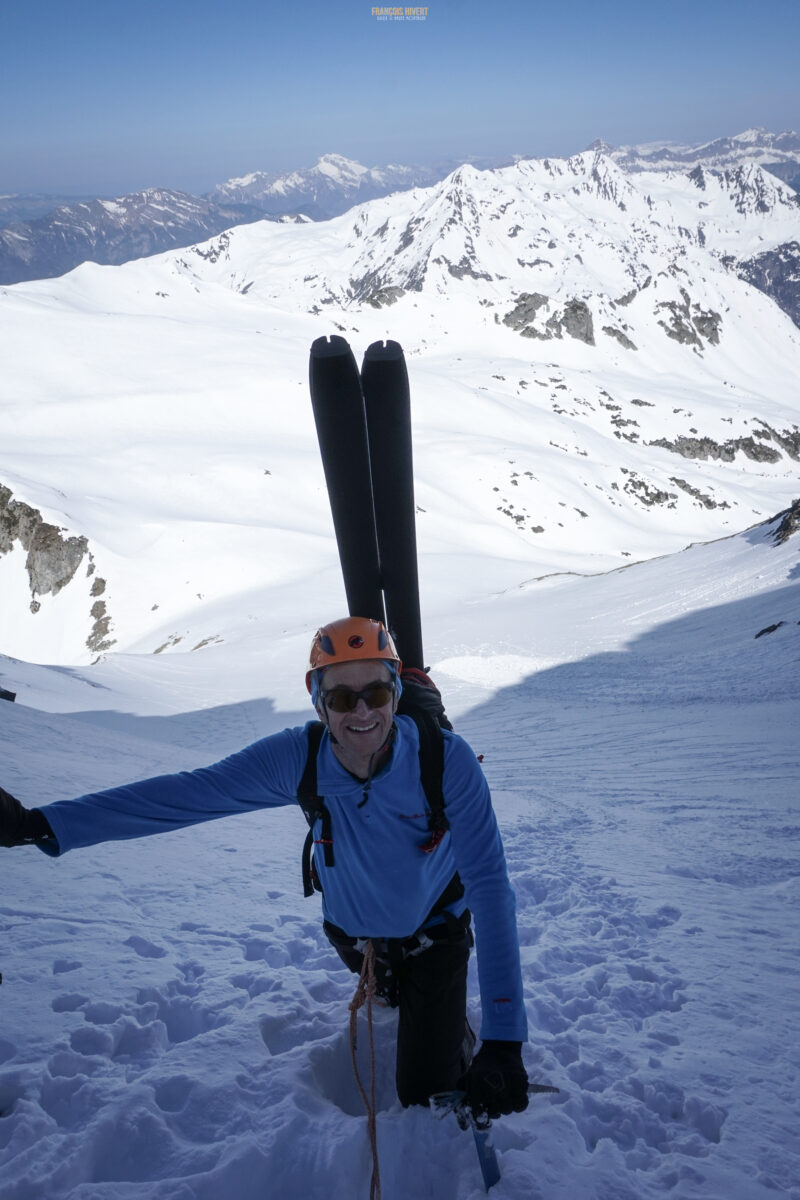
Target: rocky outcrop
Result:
[646, 493]
[700, 497]
[52, 560]
[385, 296]
[576, 319]
[754, 447]
[524, 312]
[776, 273]
[621, 337]
[463, 269]
[789, 523]
[688, 323]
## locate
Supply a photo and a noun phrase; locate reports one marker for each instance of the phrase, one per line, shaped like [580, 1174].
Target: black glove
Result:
[20, 826]
[497, 1082]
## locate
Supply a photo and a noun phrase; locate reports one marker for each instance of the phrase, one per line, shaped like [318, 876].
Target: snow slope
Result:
[175, 1023]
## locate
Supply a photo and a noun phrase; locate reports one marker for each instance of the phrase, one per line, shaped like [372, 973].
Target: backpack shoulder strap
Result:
[307, 796]
[422, 701]
[431, 771]
[313, 807]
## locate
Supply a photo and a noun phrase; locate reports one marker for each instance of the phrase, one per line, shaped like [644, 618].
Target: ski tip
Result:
[387, 351]
[330, 347]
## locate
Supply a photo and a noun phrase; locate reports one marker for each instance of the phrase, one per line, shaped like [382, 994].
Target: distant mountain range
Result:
[594, 383]
[778, 153]
[42, 237]
[327, 189]
[112, 232]
[144, 223]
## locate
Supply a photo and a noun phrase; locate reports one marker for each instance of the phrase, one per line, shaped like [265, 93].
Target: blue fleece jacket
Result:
[382, 883]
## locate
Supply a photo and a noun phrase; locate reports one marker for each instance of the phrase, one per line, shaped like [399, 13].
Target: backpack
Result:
[420, 700]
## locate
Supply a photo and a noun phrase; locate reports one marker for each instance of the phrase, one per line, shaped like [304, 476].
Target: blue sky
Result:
[104, 96]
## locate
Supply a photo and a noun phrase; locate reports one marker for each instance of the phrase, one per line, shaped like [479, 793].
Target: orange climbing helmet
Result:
[350, 640]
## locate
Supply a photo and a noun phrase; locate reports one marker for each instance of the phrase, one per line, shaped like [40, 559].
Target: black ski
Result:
[387, 401]
[364, 431]
[341, 429]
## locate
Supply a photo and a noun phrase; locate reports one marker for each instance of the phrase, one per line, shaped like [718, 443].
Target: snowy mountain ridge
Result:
[610, 386]
[45, 243]
[111, 232]
[459, 229]
[777, 152]
[330, 187]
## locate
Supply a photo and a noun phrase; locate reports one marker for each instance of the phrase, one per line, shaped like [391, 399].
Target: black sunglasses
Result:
[345, 699]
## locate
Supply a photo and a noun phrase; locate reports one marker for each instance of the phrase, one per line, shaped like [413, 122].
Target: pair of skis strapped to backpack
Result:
[363, 422]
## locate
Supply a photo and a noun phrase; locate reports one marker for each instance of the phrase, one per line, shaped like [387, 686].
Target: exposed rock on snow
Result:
[705, 447]
[52, 560]
[646, 493]
[524, 312]
[383, 297]
[706, 501]
[690, 323]
[777, 274]
[575, 319]
[621, 337]
[789, 523]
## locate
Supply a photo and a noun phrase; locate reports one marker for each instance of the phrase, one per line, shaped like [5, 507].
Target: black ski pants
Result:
[434, 1041]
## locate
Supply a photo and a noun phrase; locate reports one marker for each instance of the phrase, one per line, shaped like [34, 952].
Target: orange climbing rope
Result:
[364, 994]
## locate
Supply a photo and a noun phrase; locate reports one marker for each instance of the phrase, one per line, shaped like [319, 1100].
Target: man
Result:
[385, 875]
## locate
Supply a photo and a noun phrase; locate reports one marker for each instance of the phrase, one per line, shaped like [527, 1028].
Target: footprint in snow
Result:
[648, 1120]
[68, 1002]
[298, 1027]
[91, 1041]
[101, 1013]
[179, 1010]
[256, 985]
[144, 948]
[332, 1068]
[62, 965]
[171, 1094]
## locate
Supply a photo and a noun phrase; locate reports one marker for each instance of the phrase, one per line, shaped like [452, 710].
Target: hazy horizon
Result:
[102, 101]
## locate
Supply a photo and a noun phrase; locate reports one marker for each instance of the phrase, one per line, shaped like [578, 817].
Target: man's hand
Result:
[20, 826]
[497, 1082]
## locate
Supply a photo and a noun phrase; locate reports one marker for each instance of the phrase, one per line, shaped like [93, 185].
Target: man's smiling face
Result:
[361, 732]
